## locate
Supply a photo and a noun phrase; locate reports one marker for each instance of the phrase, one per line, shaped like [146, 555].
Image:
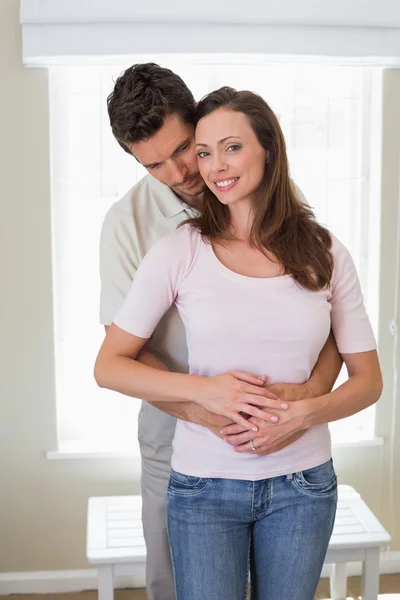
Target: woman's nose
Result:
[218, 163]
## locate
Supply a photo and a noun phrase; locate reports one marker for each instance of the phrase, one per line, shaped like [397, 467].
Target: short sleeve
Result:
[119, 261]
[350, 323]
[156, 284]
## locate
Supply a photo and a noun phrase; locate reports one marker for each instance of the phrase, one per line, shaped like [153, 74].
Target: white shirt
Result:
[147, 213]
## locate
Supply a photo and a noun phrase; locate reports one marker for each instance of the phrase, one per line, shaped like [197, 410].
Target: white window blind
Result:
[59, 32]
[326, 118]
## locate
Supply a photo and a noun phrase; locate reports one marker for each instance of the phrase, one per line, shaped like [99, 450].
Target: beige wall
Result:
[42, 502]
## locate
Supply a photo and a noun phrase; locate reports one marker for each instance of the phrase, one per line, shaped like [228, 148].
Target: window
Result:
[326, 118]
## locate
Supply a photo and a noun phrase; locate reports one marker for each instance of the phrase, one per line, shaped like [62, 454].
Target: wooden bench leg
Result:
[106, 582]
[370, 575]
[338, 581]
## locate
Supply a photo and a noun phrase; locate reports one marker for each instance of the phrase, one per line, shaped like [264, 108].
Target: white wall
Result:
[43, 503]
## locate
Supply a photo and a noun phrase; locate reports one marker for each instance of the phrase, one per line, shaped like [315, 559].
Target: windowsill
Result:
[73, 451]
[80, 450]
[376, 441]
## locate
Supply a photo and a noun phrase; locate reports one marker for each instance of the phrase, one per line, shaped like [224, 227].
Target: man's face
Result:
[170, 156]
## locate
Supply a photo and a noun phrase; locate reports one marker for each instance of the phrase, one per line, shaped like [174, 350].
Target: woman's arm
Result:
[228, 394]
[186, 411]
[363, 388]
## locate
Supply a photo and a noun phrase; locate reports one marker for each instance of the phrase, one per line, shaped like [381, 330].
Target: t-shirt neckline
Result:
[238, 276]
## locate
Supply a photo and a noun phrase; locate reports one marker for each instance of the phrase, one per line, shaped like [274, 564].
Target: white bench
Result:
[357, 537]
[115, 542]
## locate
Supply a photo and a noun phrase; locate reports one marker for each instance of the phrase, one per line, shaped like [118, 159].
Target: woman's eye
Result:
[233, 147]
[202, 154]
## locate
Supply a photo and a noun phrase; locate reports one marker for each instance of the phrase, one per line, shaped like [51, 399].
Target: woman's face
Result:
[231, 159]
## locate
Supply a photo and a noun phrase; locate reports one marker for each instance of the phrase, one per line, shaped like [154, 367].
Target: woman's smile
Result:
[223, 185]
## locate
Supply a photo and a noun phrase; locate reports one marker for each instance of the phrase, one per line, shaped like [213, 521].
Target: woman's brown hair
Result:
[282, 224]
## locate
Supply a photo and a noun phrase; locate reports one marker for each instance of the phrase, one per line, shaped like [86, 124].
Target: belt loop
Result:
[289, 477]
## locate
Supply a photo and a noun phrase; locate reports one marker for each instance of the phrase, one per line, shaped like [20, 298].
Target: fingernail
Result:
[283, 405]
[274, 419]
[254, 428]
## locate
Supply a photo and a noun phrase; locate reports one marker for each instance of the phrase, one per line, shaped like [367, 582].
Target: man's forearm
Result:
[326, 370]
[180, 410]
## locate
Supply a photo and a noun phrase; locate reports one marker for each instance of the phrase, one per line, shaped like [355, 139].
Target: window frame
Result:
[69, 447]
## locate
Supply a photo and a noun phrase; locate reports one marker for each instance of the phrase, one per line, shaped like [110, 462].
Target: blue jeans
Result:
[278, 528]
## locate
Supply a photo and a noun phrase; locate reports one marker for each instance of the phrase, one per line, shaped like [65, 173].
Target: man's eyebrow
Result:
[223, 140]
[179, 147]
[149, 166]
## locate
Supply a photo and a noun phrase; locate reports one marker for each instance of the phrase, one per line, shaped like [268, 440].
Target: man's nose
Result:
[178, 171]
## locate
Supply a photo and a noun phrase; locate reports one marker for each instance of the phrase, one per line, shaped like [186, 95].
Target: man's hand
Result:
[201, 416]
[273, 437]
[290, 392]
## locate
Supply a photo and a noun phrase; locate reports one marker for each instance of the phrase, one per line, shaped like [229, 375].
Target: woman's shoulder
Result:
[187, 233]
[342, 259]
[338, 248]
[180, 238]
[177, 249]
[185, 238]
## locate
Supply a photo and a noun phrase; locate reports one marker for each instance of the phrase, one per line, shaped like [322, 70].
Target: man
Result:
[152, 114]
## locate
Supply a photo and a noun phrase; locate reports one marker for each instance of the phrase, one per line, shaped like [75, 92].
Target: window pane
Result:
[321, 111]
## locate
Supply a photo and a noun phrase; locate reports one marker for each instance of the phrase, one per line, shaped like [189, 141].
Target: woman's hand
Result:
[236, 392]
[269, 438]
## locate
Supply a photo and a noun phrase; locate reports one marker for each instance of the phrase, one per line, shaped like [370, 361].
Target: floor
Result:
[390, 584]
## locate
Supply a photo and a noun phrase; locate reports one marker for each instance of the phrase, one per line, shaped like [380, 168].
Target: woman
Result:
[254, 251]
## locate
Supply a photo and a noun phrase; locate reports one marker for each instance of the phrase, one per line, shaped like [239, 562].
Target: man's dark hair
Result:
[142, 97]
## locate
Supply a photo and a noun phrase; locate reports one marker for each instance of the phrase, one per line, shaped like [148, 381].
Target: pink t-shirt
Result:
[260, 325]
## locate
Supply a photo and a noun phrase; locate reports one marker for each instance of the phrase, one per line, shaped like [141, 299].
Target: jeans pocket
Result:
[186, 485]
[318, 481]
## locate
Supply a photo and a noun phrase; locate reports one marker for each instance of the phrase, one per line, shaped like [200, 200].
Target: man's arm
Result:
[322, 379]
